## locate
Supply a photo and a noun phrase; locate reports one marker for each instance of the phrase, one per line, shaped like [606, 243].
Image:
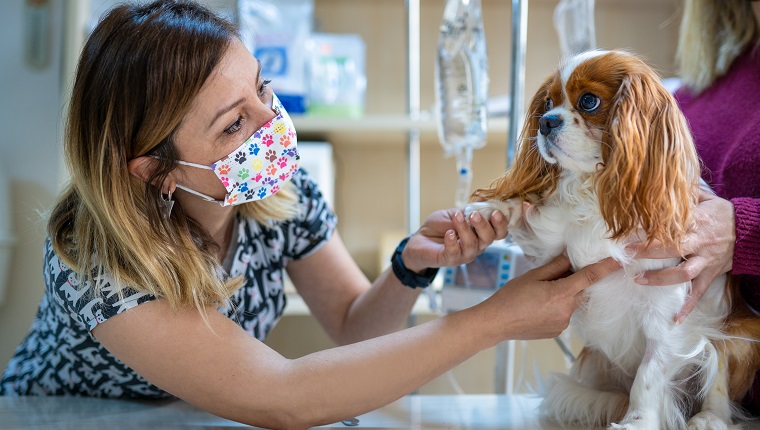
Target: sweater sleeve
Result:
[747, 248]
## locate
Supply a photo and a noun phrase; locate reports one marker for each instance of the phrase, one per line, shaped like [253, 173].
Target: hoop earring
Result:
[168, 204]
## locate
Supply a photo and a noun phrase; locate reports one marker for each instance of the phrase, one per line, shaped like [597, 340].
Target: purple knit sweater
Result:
[725, 122]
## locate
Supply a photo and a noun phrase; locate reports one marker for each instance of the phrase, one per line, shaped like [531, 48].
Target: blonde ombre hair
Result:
[712, 34]
[137, 75]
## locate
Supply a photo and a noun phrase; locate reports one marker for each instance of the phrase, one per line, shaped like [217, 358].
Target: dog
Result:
[606, 159]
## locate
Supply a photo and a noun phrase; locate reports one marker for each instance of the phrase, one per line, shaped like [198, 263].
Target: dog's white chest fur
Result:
[617, 309]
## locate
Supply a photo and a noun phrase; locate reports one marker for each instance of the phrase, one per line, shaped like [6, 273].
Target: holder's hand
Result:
[708, 251]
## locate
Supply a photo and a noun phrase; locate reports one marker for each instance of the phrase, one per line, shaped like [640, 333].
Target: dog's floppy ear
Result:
[651, 170]
[529, 175]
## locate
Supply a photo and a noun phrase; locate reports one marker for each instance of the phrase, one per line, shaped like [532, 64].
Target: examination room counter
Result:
[487, 411]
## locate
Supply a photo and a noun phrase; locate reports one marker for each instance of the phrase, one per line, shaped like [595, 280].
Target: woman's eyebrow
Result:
[237, 103]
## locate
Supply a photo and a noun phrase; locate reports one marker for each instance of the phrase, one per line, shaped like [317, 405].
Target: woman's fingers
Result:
[590, 274]
[578, 281]
[684, 272]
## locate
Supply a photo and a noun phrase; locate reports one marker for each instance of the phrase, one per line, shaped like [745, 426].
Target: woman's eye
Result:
[263, 86]
[549, 105]
[589, 102]
[235, 127]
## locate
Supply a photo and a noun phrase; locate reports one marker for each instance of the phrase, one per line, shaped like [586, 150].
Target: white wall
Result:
[30, 114]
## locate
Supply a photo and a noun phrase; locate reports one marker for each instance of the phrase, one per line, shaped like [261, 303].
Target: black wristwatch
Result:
[407, 277]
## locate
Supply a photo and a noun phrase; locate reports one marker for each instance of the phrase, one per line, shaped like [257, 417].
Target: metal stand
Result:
[505, 352]
[413, 109]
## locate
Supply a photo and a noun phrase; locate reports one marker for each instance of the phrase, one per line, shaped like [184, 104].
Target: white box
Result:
[317, 160]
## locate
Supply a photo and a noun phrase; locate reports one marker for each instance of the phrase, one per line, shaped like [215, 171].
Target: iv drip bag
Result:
[461, 82]
[574, 23]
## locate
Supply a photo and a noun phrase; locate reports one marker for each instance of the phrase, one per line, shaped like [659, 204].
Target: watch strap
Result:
[407, 277]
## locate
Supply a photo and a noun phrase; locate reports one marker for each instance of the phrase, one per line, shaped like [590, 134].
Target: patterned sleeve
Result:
[315, 223]
[88, 305]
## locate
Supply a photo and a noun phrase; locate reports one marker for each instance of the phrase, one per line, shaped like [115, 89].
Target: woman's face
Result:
[233, 103]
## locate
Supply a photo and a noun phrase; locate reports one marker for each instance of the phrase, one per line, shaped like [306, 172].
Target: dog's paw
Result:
[629, 426]
[706, 420]
[512, 209]
[634, 420]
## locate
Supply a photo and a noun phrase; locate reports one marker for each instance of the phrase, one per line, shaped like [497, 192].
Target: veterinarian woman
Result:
[719, 61]
[165, 256]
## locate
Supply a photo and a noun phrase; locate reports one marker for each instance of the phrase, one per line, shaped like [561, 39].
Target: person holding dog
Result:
[719, 62]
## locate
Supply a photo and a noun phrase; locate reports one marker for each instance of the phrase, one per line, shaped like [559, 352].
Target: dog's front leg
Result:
[538, 229]
[650, 394]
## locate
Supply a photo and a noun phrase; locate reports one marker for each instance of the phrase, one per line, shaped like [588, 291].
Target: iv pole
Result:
[505, 351]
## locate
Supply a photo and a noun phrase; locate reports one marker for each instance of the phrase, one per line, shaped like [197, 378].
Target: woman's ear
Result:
[144, 167]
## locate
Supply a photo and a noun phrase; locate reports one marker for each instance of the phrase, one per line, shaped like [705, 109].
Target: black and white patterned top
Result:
[59, 356]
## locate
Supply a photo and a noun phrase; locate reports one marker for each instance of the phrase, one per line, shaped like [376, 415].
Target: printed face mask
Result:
[260, 166]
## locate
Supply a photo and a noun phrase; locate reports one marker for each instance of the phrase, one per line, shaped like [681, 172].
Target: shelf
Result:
[389, 123]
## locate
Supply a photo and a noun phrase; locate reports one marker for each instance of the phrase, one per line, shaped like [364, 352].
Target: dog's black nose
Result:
[547, 123]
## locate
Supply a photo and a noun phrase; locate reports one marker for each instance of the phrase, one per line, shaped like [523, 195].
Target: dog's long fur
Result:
[596, 181]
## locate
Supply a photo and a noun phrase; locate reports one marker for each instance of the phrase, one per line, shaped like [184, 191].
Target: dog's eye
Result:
[589, 102]
[549, 105]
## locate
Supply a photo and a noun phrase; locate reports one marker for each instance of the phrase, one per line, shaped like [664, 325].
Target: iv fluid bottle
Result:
[461, 81]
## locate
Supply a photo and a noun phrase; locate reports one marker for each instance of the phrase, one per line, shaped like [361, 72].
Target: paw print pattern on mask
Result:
[267, 140]
[240, 157]
[243, 173]
[270, 156]
[271, 170]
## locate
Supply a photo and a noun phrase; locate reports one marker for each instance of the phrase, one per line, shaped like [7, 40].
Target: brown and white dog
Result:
[606, 159]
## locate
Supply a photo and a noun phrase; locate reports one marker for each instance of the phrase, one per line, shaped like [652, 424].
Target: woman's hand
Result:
[446, 239]
[539, 304]
[708, 251]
